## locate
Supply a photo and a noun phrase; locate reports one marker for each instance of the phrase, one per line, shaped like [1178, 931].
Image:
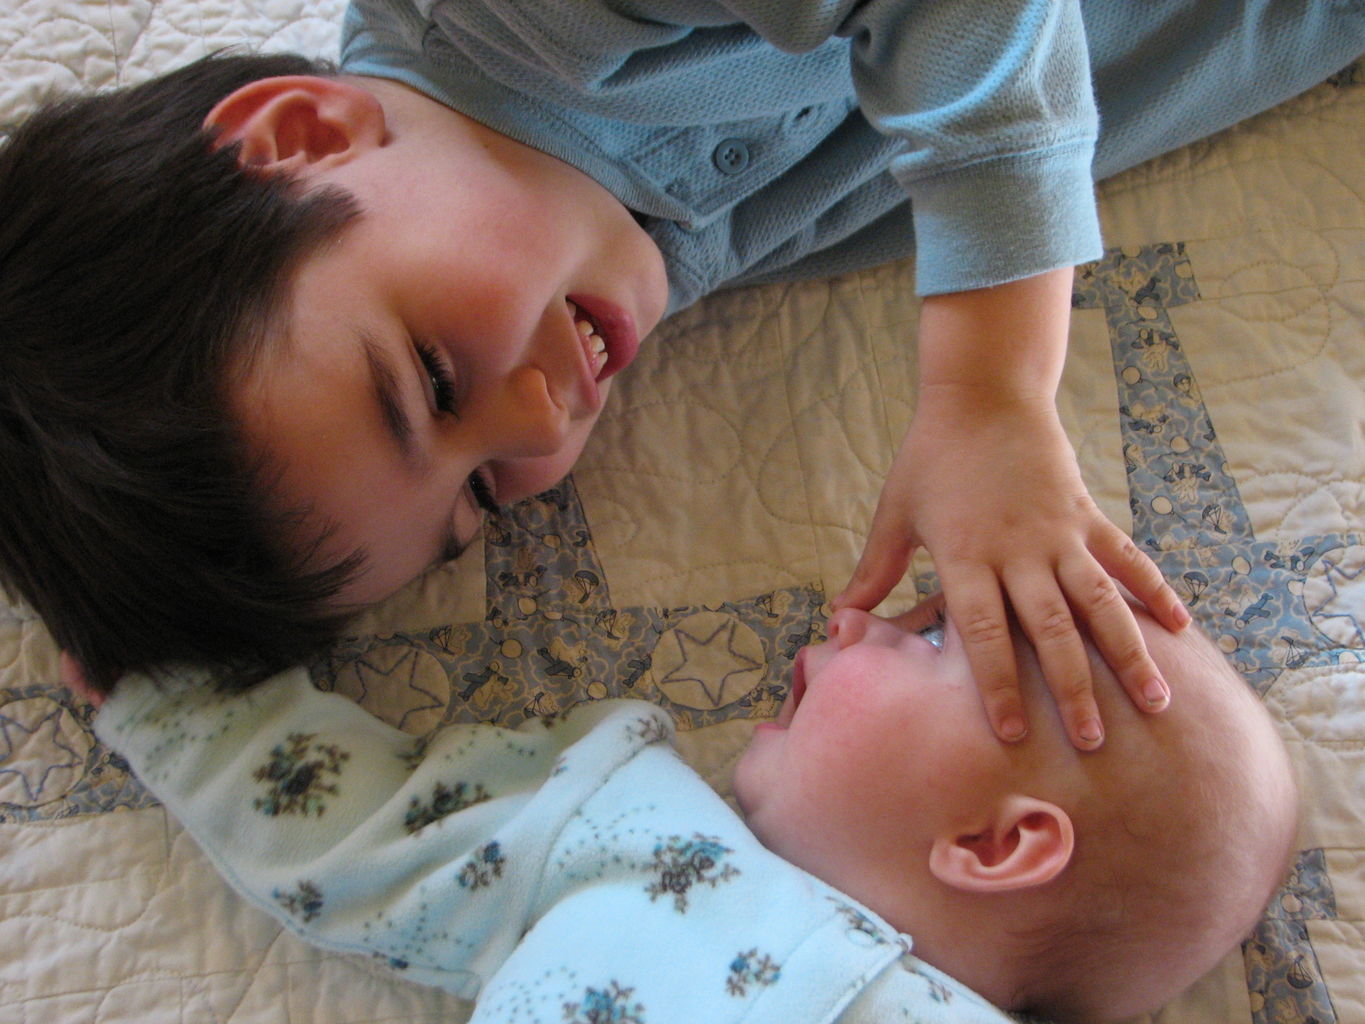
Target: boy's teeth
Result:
[592, 341]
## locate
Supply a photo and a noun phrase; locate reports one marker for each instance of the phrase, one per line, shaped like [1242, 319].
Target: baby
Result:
[1081, 886]
[576, 869]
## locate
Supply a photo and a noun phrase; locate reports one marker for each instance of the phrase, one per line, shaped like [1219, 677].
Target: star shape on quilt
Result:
[715, 659]
[42, 753]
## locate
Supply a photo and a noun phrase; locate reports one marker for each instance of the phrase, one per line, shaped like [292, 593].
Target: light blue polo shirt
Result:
[764, 139]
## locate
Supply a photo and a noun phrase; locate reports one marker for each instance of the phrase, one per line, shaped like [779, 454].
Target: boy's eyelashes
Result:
[482, 490]
[441, 394]
[440, 381]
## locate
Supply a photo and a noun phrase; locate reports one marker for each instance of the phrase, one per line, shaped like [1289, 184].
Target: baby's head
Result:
[1085, 886]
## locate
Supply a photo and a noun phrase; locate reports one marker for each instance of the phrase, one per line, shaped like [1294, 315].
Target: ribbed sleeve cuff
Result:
[1003, 219]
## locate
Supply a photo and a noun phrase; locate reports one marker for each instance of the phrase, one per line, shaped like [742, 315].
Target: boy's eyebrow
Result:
[384, 384]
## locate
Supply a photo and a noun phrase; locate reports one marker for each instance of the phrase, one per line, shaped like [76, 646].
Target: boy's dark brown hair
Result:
[139, 269]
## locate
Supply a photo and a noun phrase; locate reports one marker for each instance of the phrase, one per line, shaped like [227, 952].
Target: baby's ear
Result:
[294, 123]
[1026, 842]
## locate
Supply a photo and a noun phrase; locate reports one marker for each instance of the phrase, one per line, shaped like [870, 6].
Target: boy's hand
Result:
[999, 503]
[987, 482]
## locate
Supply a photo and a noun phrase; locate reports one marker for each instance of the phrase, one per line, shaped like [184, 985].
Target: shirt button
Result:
[731, 156]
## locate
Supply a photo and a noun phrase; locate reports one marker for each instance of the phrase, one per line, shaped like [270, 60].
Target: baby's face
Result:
[456, 342]
[882, 732]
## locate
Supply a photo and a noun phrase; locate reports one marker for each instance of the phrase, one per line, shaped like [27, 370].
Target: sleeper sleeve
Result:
[426, 855]
[661, 906]
[576, 870]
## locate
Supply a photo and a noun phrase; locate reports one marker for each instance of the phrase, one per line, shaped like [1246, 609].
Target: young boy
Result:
[273, 340]
[576, 870]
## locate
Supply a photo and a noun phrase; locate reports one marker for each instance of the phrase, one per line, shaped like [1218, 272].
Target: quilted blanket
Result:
[1216, 395]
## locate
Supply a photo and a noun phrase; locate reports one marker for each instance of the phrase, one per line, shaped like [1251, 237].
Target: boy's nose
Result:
[531, 423]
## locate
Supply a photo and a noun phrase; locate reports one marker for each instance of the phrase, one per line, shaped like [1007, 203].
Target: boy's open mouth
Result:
[590, 334]
[607, 333]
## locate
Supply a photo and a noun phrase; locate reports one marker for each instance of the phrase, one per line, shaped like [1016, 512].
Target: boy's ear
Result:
[295, 123]
[1027, 842]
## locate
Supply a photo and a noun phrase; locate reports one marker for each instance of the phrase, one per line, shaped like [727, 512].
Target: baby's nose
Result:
[847, 626]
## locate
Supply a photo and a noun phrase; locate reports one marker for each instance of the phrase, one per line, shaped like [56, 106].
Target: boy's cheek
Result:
[522, 478]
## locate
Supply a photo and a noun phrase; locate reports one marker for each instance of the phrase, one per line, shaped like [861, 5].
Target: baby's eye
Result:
[439, 377]
[935, 630]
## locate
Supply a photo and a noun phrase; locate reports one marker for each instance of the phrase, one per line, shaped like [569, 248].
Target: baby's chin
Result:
[750, 780]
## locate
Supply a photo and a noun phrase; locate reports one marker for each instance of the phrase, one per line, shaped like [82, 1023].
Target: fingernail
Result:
[1091, 731]
[1013, 728]
[1182, 614]
[1155, 693]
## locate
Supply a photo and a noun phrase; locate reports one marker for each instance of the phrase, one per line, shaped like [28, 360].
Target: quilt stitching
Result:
[1293, 643]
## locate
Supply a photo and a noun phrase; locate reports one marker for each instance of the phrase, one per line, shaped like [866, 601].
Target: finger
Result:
[885, 558]
[1117, 637]
[1131, 566]
[926, 613]
[1046, 619]
[977, 610]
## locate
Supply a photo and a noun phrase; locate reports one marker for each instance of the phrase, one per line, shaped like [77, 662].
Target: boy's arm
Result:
[985, 478]
[987, 482]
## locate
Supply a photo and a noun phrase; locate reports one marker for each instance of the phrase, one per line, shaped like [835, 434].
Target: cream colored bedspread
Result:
[1215, 392]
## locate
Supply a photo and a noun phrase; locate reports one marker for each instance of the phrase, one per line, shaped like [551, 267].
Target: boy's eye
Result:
[482, 491]
[439, 377]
